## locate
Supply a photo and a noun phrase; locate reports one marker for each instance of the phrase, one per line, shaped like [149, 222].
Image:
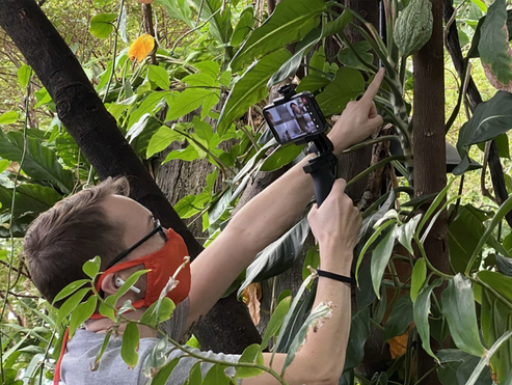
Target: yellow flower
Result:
[141, 47]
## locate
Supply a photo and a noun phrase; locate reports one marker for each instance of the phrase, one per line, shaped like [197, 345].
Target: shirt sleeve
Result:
[175, 326]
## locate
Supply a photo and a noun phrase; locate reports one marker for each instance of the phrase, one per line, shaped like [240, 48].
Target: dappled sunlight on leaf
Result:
[141, 47]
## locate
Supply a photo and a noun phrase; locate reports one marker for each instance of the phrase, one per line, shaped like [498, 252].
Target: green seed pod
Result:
[413, 27]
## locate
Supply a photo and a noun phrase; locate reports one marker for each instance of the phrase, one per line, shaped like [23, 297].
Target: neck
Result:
[103, 325]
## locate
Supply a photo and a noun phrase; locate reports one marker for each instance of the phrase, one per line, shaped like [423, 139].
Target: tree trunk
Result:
[429, 151]
[96, 132]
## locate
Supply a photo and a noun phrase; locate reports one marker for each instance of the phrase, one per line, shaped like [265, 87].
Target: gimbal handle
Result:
[322, 168]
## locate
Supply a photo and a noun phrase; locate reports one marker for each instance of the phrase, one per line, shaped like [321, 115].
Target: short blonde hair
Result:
[76, 229]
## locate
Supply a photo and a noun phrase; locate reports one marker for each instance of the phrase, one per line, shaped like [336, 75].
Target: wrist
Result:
[336, 260]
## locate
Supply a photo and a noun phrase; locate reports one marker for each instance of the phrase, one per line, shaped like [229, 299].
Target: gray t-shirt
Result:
[84, 347]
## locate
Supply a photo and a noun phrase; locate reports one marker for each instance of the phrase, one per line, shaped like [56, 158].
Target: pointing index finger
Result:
[373, 88]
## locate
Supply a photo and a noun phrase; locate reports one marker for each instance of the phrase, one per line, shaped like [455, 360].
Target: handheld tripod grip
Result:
[323, 172]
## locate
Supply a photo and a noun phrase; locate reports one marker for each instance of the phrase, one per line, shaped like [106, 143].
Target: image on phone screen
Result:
[293, 119]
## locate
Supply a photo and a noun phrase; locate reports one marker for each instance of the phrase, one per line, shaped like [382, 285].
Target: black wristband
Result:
[336, 277]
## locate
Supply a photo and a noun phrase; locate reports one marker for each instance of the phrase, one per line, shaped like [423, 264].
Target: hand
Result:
[359, 119]
[337, 222]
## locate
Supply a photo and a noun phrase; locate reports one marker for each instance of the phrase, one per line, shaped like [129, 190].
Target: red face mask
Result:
[162, 264]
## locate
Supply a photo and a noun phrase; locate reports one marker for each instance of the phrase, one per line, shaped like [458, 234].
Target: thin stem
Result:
[429, 264]
[11, 220]
[374, 167]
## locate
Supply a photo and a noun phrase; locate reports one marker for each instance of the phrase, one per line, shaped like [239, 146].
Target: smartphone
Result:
[297, 119]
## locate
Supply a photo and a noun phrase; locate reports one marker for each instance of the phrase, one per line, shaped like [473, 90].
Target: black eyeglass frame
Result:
[158, 229]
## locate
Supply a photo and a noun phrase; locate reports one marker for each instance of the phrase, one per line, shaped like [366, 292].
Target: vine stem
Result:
[429, 264]
[11, 219]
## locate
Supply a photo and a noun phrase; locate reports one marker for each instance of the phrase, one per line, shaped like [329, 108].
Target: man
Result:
[98, 222]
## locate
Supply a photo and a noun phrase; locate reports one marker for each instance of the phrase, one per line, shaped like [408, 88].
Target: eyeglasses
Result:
[158, 229]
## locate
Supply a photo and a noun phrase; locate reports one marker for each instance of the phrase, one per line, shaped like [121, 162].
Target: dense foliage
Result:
[202, 81]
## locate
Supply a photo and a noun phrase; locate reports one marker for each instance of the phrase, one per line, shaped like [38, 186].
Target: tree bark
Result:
[430, 152]
[96, 132]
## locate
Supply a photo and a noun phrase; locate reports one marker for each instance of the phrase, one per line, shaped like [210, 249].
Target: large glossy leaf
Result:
[359, 333]
[290, 67]
[251, 88]
[279, 256]
[484, 361]
[219, 17]
[459, 310]
[400, 318]
[291, 21]
[381, 256]
[101, 25]
[491, 119]
[177, 9]
[346, 86]
[496, 320]
[473, 50]
[244, 27]
[251, 354]
[40, 162]
[421, 310]
[130, 344]
[30, 198]
[494, 44]
[281, 157]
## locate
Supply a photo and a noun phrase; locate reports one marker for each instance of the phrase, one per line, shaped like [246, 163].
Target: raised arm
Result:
[272, 212]
[320, 361]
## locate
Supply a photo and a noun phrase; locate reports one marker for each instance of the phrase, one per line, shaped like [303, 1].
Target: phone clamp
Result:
[288, 91]
[323, 168]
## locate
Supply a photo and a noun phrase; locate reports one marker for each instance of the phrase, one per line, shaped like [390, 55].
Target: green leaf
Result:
[69, 289]
[132, 280]
[490, 119]
[24, 75]
[400, 318]
[421, 310]
[219, 18]
[498, 282]
[162, 139]
[406, 233]
[459, 310]
[380, 258]
[159, 76]
[101, 25]
[122, 25]
[494, 44]
[216, 376]
[347, 85]
[313, 260]
[191, 99]
[251, 354]
[498, 217]
[291, 21]
[338, 25]
[158, 312]
[484, 361]
[359, 333]
[163, 374]
[418, 277]
[9, 117]
[82, 312]
[71, 303]
[290, 67]
[177, 9]
[157, 358]
[189, 154]
[250, 88]
[40, 163]
[312, 83]
[150, 105]
[276, 321]
[108, 311]
[244, 27]
[279, 256]
[281, 156]
[30, 199]
[473, 50]
[104, 346]
[130, 343]
[92, 267]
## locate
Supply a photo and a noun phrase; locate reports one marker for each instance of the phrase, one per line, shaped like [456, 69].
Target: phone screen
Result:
[295, 119]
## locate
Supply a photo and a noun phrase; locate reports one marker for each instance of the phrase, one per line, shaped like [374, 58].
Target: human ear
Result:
[109, 285]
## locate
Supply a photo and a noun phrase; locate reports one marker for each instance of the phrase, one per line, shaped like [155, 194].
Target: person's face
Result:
[137, 222]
